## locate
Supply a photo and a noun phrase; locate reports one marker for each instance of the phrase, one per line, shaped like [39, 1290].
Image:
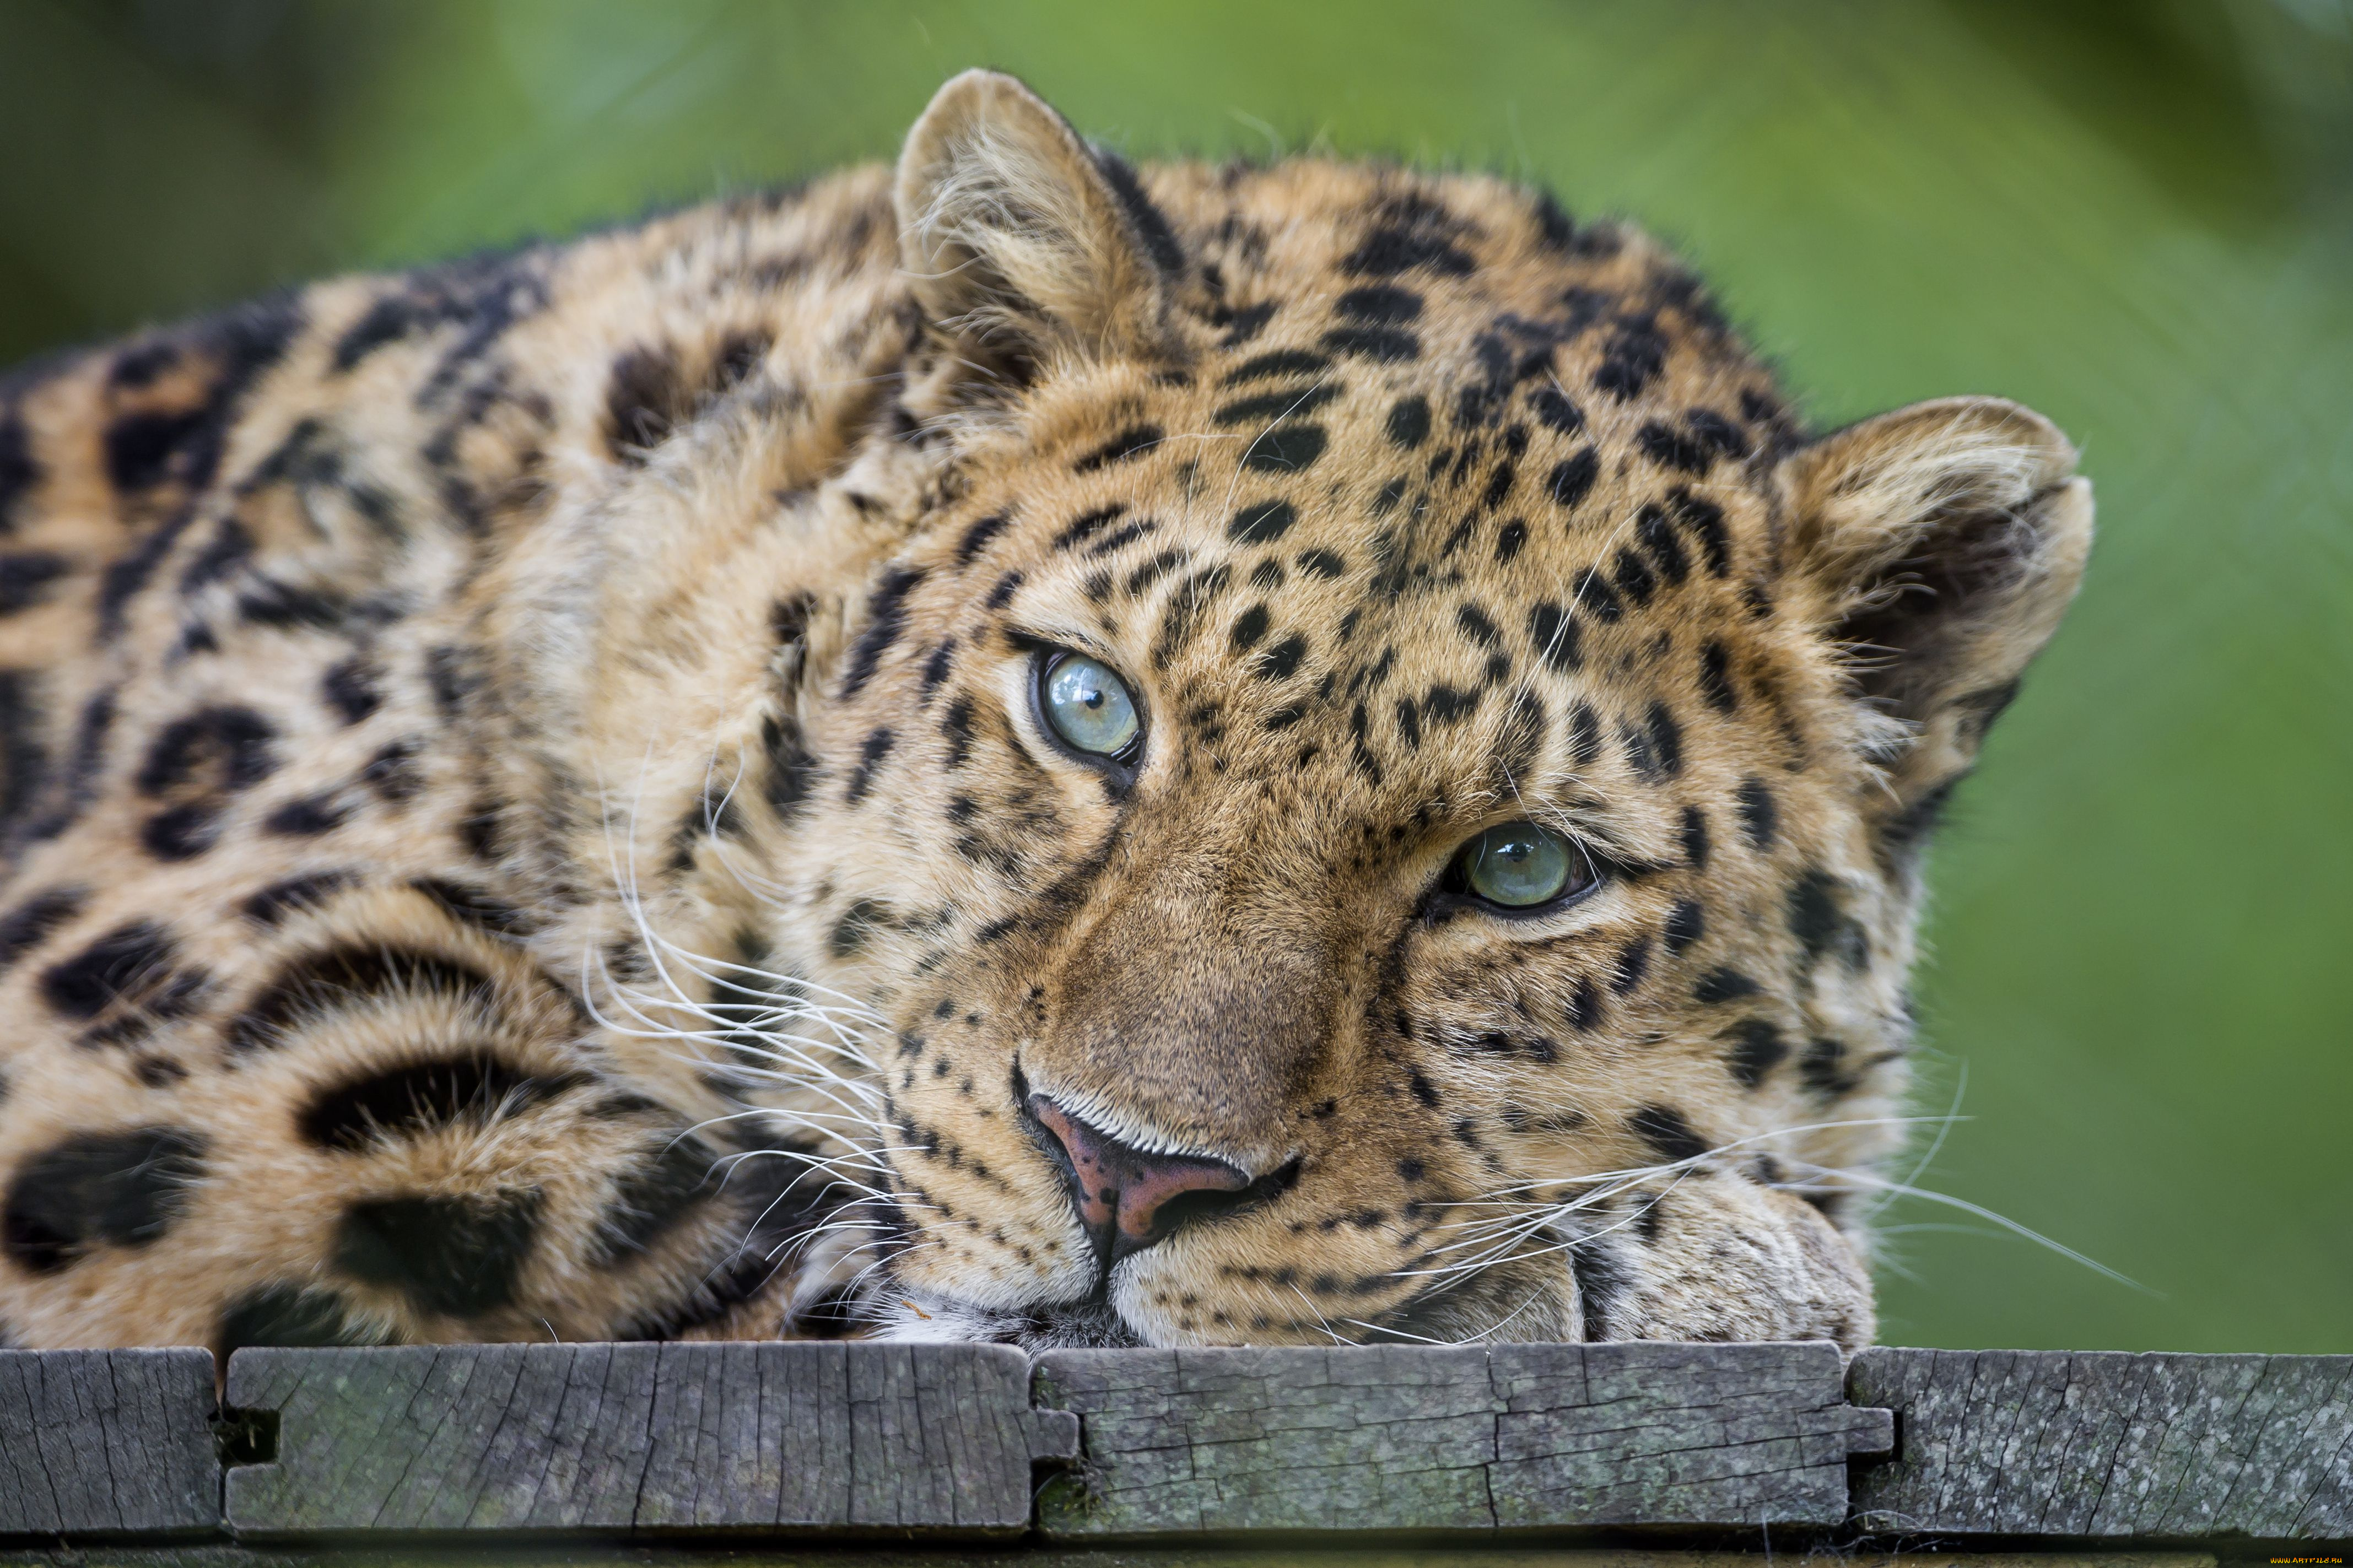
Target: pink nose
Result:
[1126, 1198]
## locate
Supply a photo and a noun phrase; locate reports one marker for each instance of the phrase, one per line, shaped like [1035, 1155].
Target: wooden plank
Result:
[682, 1439]
[655, 1439]
[107, 1442]
[1516, 1437]
[2109, 1445]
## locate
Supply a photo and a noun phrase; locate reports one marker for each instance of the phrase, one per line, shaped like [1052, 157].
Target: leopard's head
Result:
[1374, 785]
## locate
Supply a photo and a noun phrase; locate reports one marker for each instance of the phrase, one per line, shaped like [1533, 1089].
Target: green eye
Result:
[1520, 866]
[1088, 706]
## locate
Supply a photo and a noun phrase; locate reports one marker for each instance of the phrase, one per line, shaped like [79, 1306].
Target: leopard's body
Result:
[526, 815]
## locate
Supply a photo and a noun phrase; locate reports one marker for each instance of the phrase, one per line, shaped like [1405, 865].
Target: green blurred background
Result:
[2138, 219]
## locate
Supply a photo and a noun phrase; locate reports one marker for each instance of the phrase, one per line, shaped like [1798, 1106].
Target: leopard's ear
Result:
[1941, 545]
[1021, 241]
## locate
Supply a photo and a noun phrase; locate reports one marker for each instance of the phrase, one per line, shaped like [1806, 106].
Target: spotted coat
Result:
[528, 813]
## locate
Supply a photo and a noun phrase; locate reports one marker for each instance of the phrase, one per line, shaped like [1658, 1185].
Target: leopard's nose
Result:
[1126, 1198]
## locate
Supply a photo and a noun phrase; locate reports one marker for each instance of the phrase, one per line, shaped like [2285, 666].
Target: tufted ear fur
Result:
[1945, 539]
[1020, 239]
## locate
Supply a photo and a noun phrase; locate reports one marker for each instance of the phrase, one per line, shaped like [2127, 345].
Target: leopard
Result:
[1018, 747]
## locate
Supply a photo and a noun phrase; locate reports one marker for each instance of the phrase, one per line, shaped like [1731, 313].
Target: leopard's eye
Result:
[1088, 706]
[1520, 865]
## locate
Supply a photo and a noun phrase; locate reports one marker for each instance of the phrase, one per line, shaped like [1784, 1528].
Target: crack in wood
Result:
[113, 1441]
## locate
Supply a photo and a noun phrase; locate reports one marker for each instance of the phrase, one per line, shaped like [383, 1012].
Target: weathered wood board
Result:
[107, 1442]
[643, 1438]
[2107, 1446]
[802, 1440]
[1516, 1437]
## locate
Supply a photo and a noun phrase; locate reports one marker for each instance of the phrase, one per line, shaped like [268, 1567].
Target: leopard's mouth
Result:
[899, 1312]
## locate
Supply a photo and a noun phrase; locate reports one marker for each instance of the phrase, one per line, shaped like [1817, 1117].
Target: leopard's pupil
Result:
[1088, 706]
[1520, 865]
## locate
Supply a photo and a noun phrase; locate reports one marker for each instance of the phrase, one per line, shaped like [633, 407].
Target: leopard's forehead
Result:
[1441, 493]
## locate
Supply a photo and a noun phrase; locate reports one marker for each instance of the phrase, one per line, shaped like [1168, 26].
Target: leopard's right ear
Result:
[1021, 241]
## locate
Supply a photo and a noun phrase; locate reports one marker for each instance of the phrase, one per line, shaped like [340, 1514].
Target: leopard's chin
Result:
[910, 1317]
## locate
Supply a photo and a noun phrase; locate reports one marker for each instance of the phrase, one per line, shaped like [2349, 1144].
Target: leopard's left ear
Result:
[1021, 241]
[1942, 543]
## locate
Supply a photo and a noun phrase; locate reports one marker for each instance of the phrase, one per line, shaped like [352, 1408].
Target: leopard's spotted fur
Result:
[526, 815]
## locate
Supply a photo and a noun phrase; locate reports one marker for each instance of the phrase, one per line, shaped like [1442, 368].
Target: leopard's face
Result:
[1155, 804]
[1374, 791]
